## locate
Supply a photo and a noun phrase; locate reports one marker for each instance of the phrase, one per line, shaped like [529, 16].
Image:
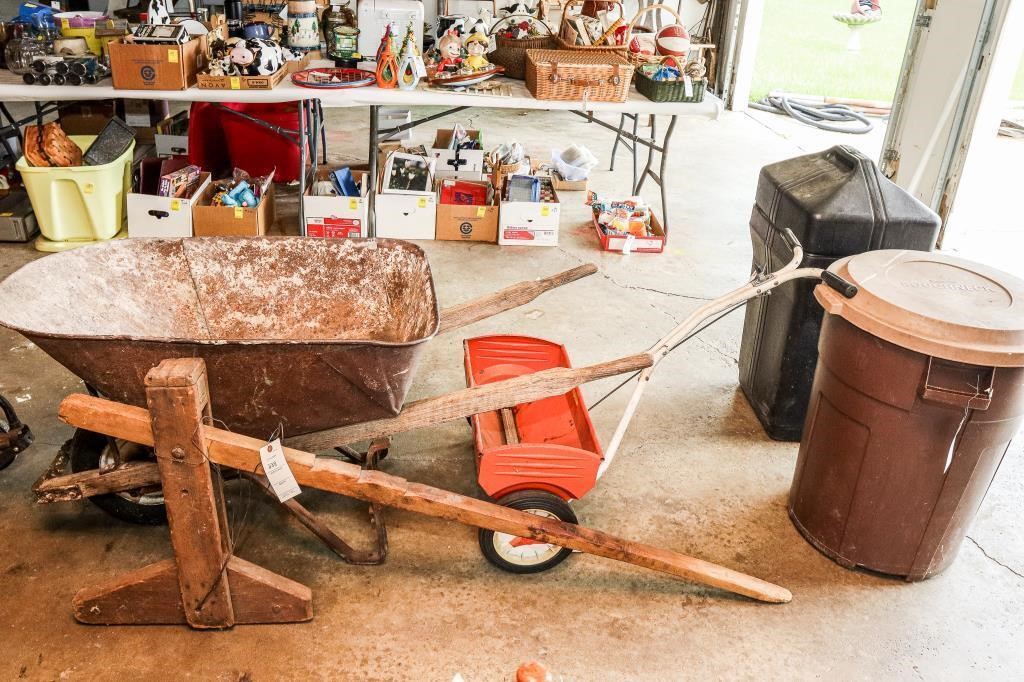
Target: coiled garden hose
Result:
[824, 116]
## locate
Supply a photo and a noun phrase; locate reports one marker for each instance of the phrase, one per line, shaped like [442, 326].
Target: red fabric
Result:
[219, 140]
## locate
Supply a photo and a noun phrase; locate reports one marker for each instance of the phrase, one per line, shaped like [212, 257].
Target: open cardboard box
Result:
[460, 222]
[232, 221]
[467, 164]
[337, 217]
[167, 217]
[630, 244]
[139, 66]
[530, 223]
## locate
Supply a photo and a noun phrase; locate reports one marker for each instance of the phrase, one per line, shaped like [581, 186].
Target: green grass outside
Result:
[803, 49]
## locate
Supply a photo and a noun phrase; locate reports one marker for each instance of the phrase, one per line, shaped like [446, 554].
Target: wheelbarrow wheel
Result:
[522, 555]
[90, 450]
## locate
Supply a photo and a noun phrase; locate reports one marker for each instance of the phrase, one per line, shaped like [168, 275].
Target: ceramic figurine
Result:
[449, 50]
[476, 48]
[159, 12]
[411, 68]
[387, 64]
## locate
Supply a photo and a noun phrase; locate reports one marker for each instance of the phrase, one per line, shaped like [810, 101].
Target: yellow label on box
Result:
[236, 82]
[175, 204]
[239, 212]
[423, 202]
[353, 204]
[545, 210]
[7, 214]
[481, 211]
[172, 56]
[64, 23]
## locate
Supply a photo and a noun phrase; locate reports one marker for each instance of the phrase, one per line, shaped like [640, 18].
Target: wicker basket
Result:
[669, 91]
[566, 45]
[575, 76]
[511, 53]
[636, 58]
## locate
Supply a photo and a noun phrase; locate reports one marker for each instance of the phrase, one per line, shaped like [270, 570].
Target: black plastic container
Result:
[838, 204]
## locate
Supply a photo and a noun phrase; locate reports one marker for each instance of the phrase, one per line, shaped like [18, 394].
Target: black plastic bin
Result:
[838, 204]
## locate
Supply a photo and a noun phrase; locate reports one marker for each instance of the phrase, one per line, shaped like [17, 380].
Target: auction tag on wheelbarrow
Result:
[277, 471]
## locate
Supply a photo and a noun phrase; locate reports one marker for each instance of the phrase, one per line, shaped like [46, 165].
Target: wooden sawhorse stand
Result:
[204, 585]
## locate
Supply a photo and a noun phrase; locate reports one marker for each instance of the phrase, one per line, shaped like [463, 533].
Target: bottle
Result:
[61, 68]
[38, 66]
[43, 79]
[58, 79]
[29, 78]
[233, 16]
[73, 79]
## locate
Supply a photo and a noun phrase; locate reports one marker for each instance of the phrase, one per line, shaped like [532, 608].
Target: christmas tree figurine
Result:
[387, 65]
[411, 67]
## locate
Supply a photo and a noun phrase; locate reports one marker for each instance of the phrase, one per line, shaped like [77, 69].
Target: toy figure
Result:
[158, 13]
[449, 50]
[476, 48]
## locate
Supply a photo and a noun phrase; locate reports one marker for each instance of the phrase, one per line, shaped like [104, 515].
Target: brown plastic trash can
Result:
[918, 391]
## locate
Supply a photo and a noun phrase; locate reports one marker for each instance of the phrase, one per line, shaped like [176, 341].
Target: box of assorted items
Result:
[670, 65]
[529, 212]
[458, 153]
[165, 58]
[236, 206]
[335, 204]
[467, 210]
[162, 207]
[253, 64]
[570, 168]
[505, 160]
[17, 221]
[626, 226]
[406, 204]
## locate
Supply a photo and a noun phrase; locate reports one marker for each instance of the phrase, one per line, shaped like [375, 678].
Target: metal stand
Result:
[652, 144]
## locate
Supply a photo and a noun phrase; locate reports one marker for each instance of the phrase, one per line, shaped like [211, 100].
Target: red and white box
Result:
[530, 223]
[336, 217]
[630, 244]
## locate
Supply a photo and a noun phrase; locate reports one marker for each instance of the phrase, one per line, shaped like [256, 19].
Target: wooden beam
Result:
[241, 452]
[514, 296]
[470, 401]
[88, 483]
[177, 397]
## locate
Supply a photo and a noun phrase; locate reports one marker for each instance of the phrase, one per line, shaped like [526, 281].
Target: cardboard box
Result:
[17, 220]
[137, 66]
[208, 82]
[231, 221]
[561, 184]
[458, 222]
[406, 216]
[153, 216]
[630, 244]
[337, 217]
[466, 164]
[529, 223]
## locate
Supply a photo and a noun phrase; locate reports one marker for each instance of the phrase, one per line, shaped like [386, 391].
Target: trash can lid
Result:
[933, 303]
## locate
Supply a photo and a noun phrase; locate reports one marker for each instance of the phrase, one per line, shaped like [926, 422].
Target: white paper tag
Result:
[277, 471]
[627, 245]
[687, 85]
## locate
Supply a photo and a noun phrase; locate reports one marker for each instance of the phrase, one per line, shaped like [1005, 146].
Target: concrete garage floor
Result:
[696, 474]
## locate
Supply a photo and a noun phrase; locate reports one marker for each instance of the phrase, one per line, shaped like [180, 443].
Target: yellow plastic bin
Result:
[79, 205]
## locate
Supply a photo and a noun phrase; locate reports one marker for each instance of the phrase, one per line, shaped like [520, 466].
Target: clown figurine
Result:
[449, 49]
[476, 48]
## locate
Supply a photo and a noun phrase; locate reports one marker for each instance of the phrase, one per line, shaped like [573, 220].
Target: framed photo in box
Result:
[408, 174]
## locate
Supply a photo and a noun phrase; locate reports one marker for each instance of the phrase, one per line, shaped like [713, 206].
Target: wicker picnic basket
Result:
[564, 28]
[511, 52]
[574, 76]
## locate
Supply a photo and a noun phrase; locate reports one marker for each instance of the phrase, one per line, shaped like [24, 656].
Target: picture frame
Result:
[408, 174]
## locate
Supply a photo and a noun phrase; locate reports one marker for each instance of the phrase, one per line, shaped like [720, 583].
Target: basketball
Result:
[673, 40]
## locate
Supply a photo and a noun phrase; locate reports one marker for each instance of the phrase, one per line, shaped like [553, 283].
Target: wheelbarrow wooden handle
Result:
[242, 452]
[510, 297]
[470, 401]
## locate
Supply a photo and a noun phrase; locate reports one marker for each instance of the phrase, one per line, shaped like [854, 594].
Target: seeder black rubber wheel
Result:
[515, 555]
[90, 450]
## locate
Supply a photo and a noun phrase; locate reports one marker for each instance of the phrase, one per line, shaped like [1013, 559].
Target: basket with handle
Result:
[565, 44]
[574, 75]
[511, 52]
[636, 58]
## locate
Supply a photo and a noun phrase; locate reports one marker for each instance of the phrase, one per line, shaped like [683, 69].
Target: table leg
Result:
[323, 131]
[302, 165]
[659, 176]
[371, 196]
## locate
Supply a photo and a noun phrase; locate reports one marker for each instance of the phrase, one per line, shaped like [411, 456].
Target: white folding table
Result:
[311, 103]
